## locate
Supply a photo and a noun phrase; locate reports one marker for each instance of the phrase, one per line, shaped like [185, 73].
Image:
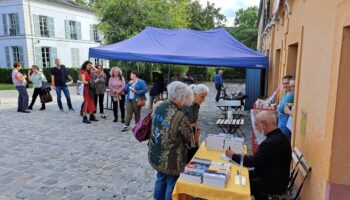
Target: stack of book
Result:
[235, 143]
[215, 141]
[217, 174]
[195, 169]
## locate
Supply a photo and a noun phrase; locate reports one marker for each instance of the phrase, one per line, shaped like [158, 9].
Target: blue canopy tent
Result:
[214, 47]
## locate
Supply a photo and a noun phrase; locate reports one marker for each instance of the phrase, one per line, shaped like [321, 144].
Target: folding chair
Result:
[305, 169]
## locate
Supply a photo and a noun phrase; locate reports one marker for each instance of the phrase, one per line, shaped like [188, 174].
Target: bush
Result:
[5, 73]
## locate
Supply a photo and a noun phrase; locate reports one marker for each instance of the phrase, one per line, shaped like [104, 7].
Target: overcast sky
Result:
[229, 7]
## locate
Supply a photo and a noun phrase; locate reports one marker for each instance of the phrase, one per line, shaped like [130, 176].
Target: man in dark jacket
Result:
[271, 162]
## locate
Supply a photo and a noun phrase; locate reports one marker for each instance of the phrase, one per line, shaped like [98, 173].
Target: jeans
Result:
[23, 98]
[282, 125]
[66, 94]
[218, 89]
[164, 186]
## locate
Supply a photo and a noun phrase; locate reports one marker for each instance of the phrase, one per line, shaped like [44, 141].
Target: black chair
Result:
[293, 191]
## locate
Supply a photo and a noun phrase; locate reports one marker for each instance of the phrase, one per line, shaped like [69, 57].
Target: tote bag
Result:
[142, 130]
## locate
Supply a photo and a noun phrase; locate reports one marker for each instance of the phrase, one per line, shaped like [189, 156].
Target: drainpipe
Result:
[31, 31]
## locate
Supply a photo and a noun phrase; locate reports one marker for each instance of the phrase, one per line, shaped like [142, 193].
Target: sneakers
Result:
[103, 116]
[61, 109]
[125, 128]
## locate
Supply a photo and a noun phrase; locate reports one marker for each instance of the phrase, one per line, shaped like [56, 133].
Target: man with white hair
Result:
[271, 162]
[219, 83]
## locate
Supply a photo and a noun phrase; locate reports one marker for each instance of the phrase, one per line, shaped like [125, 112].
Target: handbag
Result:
[142, 130]
[80, 88]
[45, 86]
[46, 97]
[141, 102]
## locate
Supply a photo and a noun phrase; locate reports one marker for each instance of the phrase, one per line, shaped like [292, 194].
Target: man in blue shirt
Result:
[288, 98]
[219, 83]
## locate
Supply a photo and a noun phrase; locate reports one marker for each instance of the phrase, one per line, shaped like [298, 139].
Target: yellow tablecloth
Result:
[184, 189]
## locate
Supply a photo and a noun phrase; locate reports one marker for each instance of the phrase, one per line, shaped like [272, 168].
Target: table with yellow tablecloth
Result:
[185, 189]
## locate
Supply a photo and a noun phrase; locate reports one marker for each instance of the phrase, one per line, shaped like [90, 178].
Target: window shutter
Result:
[8, 57]
[66, 22]
[91, 32]
[38, 57]
[78, 30]
[17, 25]
[51, 26]
[53, 55]
[4, 21]
[36, 25]
[75, 57]
[21, 56]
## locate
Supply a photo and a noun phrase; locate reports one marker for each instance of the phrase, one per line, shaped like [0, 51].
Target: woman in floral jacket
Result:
[171, 137]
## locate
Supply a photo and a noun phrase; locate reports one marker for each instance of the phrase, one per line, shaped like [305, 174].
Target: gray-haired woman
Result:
[200, 93]
[171, 137]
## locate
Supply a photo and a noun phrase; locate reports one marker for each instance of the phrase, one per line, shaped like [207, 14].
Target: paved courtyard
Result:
[52, 155]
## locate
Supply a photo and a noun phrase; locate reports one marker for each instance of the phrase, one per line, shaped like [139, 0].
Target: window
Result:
[10, 24]
[73, 30]
[95, 33]
[97, 61]
[14, 54]
[45, 55]
[43, 26]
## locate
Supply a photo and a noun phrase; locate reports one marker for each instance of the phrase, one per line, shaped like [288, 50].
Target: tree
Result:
[245, 26]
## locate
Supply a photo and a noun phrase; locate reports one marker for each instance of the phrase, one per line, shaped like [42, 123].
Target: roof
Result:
[70, 3]
[214, 47]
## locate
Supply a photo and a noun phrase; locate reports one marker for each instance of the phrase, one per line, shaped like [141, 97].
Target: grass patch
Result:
[7, 86]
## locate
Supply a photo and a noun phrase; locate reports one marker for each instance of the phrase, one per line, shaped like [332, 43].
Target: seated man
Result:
[271, 162]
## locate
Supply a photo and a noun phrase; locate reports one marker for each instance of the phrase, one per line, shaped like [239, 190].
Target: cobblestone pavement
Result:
[52, 155]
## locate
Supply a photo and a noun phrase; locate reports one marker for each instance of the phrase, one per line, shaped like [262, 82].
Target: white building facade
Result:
[38, 31]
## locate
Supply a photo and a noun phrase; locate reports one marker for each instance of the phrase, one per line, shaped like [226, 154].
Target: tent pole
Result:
[168, 73]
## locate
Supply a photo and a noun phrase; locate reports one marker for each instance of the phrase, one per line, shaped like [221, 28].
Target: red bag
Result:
[142, 130]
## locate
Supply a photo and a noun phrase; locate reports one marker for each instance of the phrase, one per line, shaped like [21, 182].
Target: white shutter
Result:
[21, 56]
[51, 26]
[17, 24]
[8, 57]
[78, 30]
[38, 57]
[4, 21]
[66, 23]
[53, 56]
[91, 32]
[36, 25]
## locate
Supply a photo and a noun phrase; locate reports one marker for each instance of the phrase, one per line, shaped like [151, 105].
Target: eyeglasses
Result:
[286, 83]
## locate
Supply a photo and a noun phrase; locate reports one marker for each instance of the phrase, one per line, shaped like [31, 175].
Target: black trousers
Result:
[37, 92]
[99, 98]
[218, 89]
[121, 103]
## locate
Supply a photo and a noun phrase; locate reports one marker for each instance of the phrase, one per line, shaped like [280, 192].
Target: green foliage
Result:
[245, 26]
[122, 19]
[7, 86]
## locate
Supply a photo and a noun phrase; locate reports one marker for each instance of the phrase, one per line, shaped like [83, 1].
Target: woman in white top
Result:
[37, 78]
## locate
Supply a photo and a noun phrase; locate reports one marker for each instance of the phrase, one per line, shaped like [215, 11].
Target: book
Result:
[236, 144]
[215, 178]
[191, 176]
[201, 160]
[196, 167]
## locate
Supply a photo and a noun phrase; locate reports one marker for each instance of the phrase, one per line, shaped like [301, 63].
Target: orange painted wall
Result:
[313, 25]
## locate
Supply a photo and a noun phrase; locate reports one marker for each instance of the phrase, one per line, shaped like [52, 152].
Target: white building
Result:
[38, 31]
